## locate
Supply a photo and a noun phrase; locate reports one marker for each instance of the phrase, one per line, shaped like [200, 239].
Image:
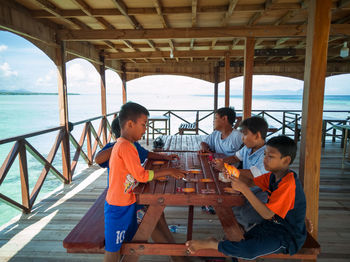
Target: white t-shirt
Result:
[228, 146]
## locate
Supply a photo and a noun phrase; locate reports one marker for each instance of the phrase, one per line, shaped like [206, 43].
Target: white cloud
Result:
[3, 48]
[82, 77]
[47, 83]
[6, 69]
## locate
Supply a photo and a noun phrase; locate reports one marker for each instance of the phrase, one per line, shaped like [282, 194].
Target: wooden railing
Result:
[88, 149]
[22, 146]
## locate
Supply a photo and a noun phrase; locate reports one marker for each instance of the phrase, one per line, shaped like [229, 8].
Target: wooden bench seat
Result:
[88, 235]
[309, 251]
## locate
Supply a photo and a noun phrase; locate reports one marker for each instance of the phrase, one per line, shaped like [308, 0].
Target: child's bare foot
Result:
[195, 245]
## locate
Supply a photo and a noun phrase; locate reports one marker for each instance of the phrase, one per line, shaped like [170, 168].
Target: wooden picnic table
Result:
[332, 122]
[181, 143]
[158, 195]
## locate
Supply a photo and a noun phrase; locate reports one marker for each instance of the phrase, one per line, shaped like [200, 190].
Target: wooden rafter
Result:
[343, 3]
[194, 12]
[158, 7]
[53, 10]
[173, 10]
[229, 12]
[119, 4]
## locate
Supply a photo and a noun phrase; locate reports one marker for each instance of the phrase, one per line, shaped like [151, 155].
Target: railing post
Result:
[23, 168]
[88, 141]
[248, 77]
[63, 109]
[284, 123]
[103, 98]
[124, 83]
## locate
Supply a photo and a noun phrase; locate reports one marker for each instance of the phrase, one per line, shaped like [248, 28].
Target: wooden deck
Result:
[38, 236]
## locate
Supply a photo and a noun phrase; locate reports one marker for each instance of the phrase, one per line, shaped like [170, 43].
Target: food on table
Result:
[232, 171]
[158, 163]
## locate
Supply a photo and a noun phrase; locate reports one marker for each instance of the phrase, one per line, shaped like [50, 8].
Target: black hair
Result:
[285, 145]
[255, 124]
[229, 112]
[131, 111]
[116, 127]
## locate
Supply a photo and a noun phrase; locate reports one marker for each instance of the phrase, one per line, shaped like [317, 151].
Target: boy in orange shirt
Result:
[125, 172]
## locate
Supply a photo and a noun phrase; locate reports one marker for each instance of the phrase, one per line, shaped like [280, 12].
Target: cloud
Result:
[47, 83]
[6, 69]
[3, 48]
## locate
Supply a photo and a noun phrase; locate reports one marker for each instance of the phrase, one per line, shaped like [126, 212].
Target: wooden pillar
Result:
[216, 86]
[63, 110]
[227, 79]
[314, 81]
[124, 84]
[248, 77]
[103, 98]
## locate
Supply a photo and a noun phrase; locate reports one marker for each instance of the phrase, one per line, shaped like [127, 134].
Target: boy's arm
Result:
[103, 155]
[177, 173]
[152, 155]
[219, 162]
[260, 207]
[204, 148]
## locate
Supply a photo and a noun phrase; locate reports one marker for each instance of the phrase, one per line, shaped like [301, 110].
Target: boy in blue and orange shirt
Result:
[283, 229]
[125, 172]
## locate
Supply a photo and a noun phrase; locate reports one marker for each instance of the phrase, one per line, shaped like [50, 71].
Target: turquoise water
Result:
[22, 114]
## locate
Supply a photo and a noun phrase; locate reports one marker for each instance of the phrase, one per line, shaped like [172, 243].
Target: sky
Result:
[23, 66]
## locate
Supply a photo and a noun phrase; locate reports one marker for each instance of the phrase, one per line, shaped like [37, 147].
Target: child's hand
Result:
[219, 164]
[177, 173]
[237, 184]
[172, 157]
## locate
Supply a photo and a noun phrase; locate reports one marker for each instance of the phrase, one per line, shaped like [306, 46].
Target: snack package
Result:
[233, 171]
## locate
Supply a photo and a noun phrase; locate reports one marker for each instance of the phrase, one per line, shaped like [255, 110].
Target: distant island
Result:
[28, 93]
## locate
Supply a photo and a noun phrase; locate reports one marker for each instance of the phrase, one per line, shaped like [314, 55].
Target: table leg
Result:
[229, 223]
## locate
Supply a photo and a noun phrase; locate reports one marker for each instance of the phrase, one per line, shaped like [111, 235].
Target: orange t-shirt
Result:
[281, 199]
[125, 171]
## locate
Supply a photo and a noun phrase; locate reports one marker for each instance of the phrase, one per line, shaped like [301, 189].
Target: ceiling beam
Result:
[210, 32]
[159, 9]
[178, 54]
[119, 4]
[244, 8]
[228, 14]
[194, 12]
[343, 3]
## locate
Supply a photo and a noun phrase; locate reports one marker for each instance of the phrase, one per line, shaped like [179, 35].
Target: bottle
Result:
[178, 229]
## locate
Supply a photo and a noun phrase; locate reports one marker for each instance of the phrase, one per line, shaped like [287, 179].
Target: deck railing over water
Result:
[86, 147]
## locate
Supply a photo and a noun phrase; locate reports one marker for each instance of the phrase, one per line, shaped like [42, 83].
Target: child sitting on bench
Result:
[283, 228]
[125, 172]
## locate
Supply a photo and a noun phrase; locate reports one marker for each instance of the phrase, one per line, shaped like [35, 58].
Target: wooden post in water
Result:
[248, 77]
[124, 83]
[103, 98]
[216, 86]
[63, 110]
[314, 81]
[227, 79]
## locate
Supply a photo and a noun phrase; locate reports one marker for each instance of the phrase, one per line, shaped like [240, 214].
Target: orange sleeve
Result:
[282, 199]
[263, 181]
[132, 163]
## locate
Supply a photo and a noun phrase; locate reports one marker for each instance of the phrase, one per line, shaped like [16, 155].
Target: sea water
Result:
[22, 114]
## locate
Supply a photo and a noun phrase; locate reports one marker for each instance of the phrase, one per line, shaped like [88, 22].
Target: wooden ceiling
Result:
[167, 36]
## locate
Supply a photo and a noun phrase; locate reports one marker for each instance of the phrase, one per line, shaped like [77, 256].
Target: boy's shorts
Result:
[120, 225]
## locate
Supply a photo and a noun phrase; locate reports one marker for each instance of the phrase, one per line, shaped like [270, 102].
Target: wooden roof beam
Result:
[209, 32]
[119, 4]
[52, 9]
[182, 54]
[235, 42]
[228, 14]
[194, 12]
[159, 8]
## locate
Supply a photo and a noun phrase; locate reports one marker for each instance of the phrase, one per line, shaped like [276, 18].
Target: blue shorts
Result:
[120, 225]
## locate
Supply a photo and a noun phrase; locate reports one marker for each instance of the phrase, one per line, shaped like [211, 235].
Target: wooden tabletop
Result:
[181, 143]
